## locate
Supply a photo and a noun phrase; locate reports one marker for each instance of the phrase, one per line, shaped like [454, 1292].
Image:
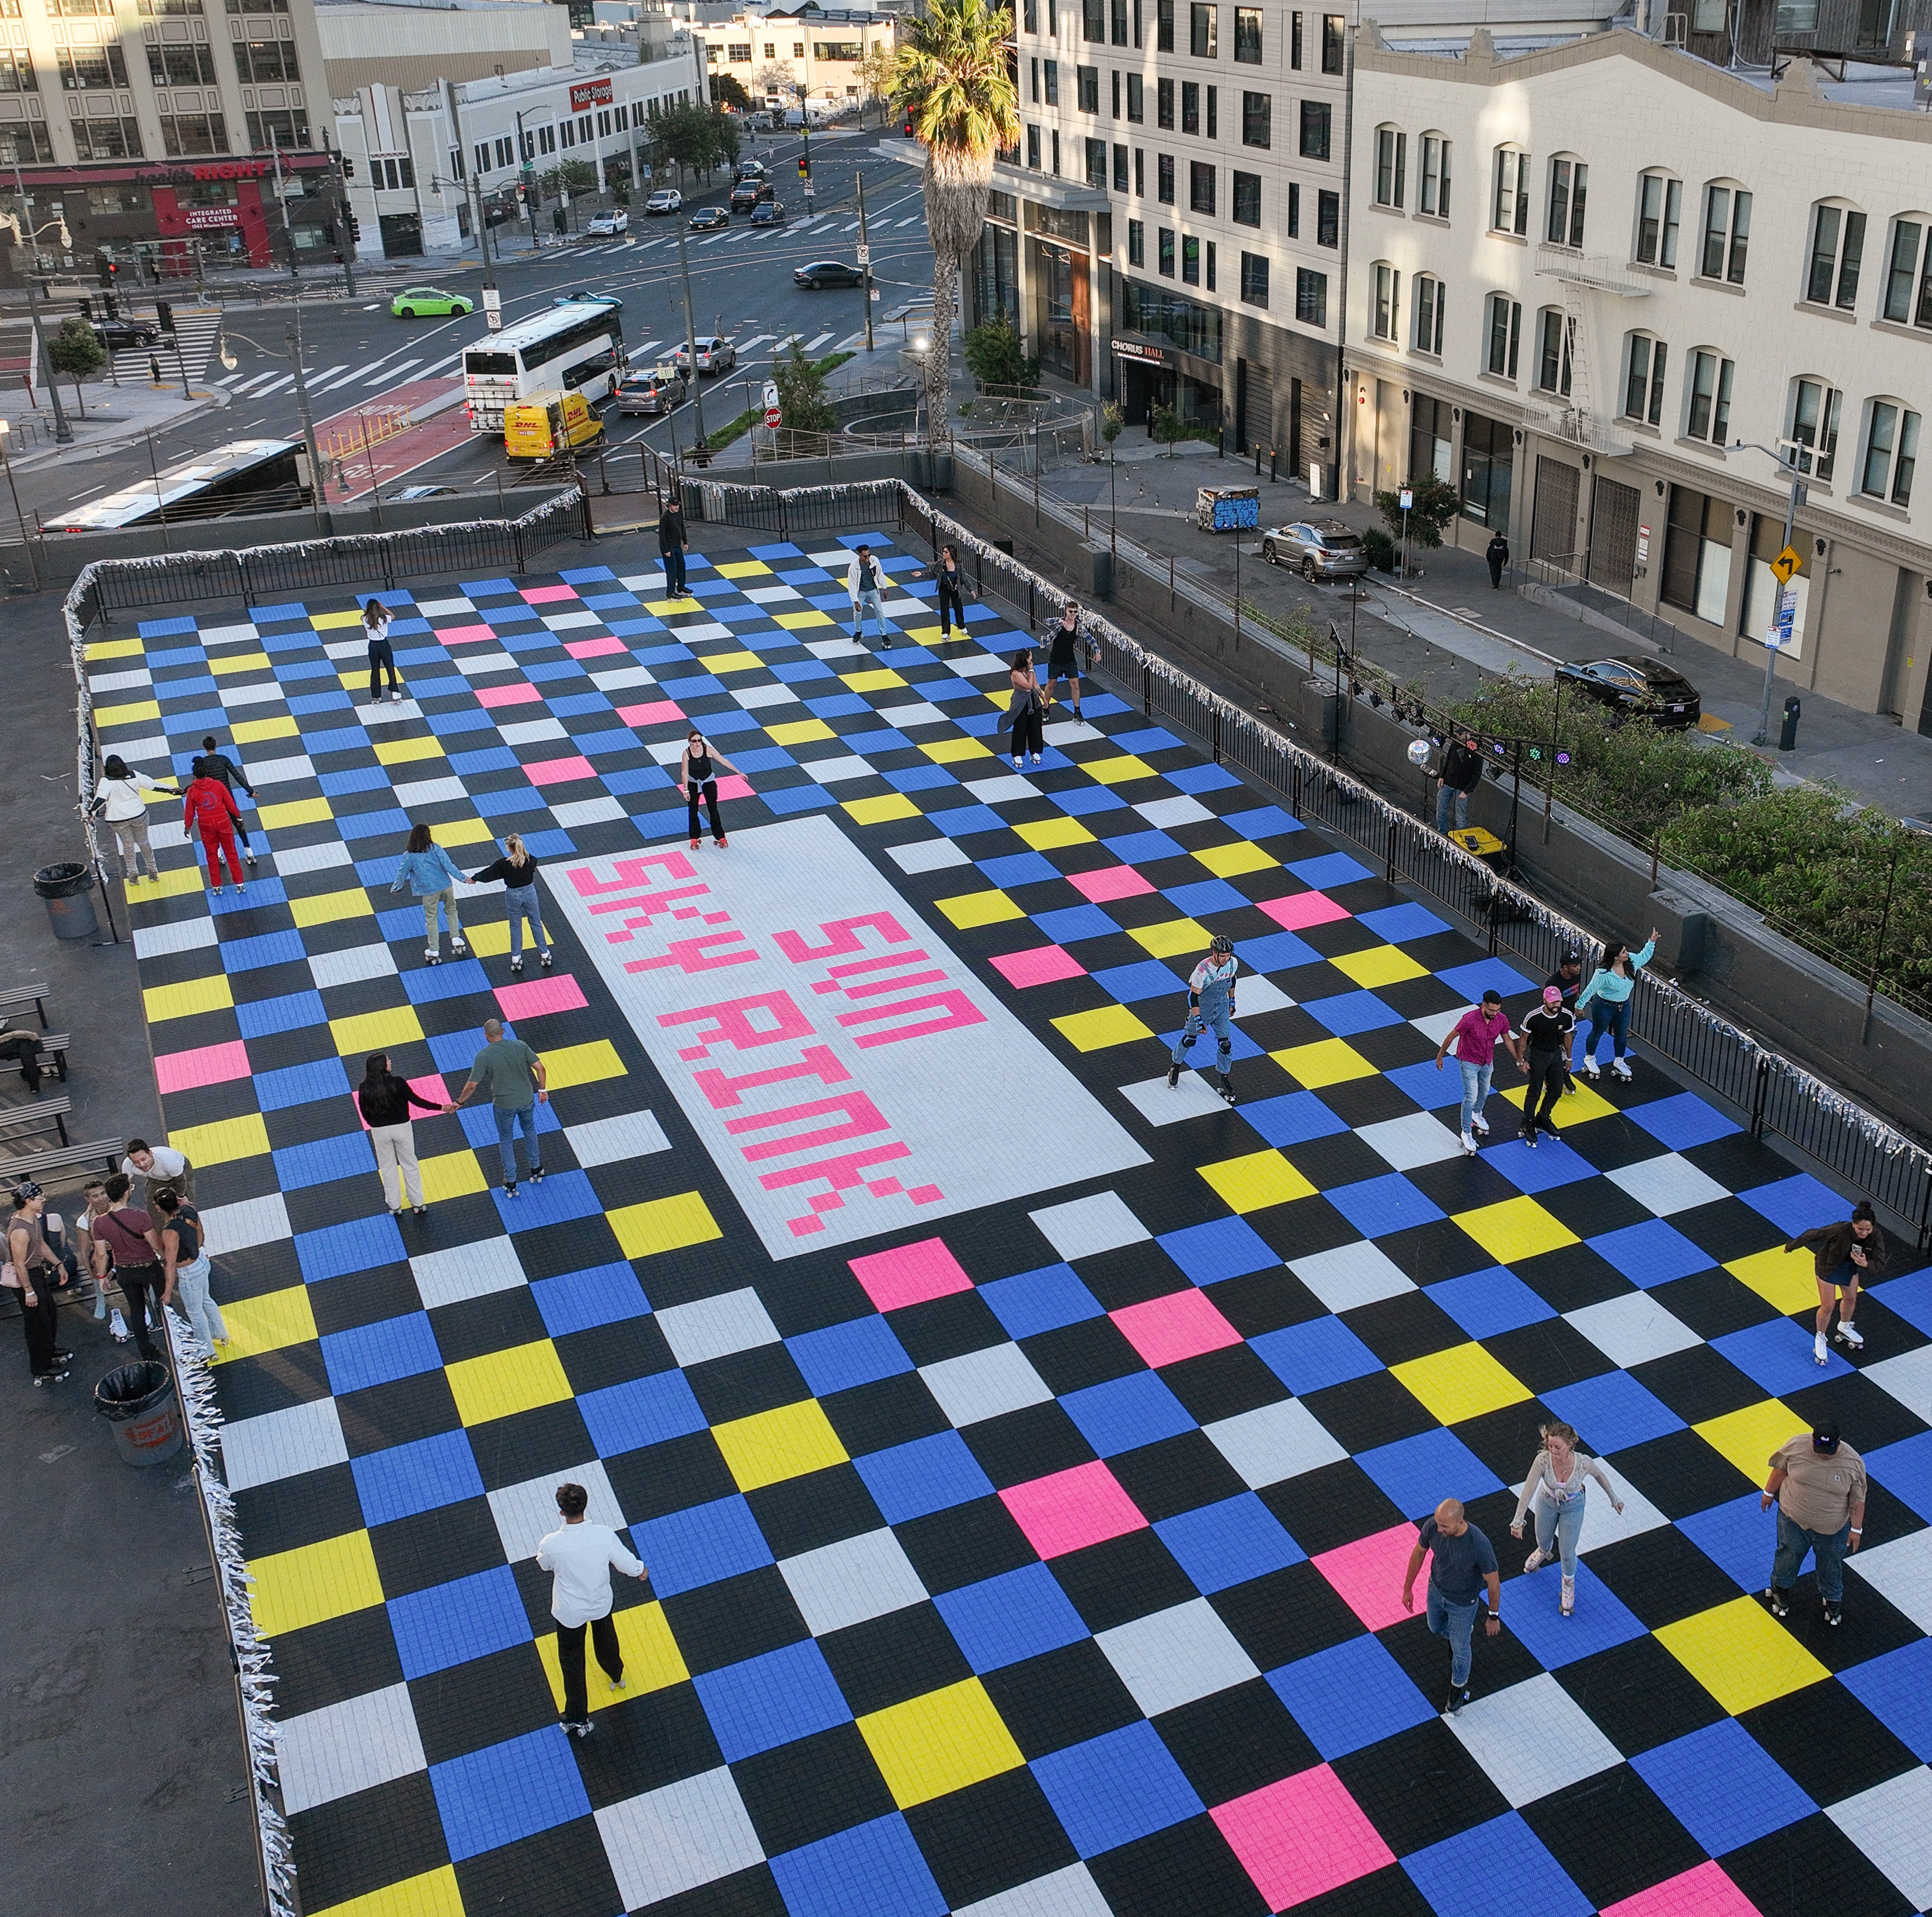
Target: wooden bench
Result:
[96, 1154]
[28, 1121]
[53, 1048]
[21, 997]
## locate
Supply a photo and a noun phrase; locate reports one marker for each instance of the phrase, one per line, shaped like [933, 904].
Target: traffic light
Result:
[105, 268]
[86, 308]
[804, 168]
[164, 316]
[908, 123]
[354, 225]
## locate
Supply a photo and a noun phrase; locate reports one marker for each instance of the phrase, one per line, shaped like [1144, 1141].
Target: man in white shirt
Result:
[579, 1557]
[156, 1166]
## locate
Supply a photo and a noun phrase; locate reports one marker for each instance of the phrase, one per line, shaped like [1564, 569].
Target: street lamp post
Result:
[1786, 456]
[26, 539]
[63, 432]
[691, 341]
[291, 337]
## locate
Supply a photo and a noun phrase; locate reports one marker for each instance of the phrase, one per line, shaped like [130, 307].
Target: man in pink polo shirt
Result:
[1475, 1035]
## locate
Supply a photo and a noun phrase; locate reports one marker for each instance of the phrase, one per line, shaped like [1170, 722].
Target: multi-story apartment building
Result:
[804, 57]
[1590, 284]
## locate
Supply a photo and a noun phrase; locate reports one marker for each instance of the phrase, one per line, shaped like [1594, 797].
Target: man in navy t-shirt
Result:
[1461, 1563]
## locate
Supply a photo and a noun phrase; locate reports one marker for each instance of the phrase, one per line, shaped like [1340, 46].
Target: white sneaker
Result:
[1847, 1335]
[1481, 1125]
[1621, 1067]
[1468, 1145]
[395, 697]
[1590, 1065]
[1819, 1353]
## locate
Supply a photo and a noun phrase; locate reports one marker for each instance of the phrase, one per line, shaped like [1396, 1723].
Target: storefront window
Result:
[1489, 455]
[1194, 329]
[997, 284]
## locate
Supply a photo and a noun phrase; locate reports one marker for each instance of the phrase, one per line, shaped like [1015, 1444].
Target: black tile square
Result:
[479, 1327]
[644, 1740]
[1187, 1867]
[436, 1547]
[989, 1837]
[613, 1355]
[1125, 1578]
[1340, 1158]
[1613, 1836]
[275, 1381]
[1026, 1444]
[1223, 1384]
[356, 1845]
[1661, 1576]
[1266, 1300]
[1592, 1206]
[1741, 1163]
[1389, 1892]
[953, 1548]
[1092, 1351]
[735, 1619]
[876, 1416]
[809, 1789]
[532, 1443]
[1061, 1698]
[361, 1298]
[1637, 1694]
[749, 1893]
[331, 1662]
[1429, 1253]
[885, 1660]
[397, 1413]
[1178, 1474]
[1809, 1867]
[1547, 1355]
[1712, 1303]
[1609, 1147]
[568, 1862]
[1698, 1384]
[1571, 1277]
[1129, 1275]
[1421, 1785]
[1497, 1663]
[1465, 1183]
[1236, 1741]
[746, 1383]
[1331, 1506]
[1830, 1745]
[673, 1476]
[291, 1512]
[1361, 1101]
[1376, 1409]
[1288, 1614]
[1727, 1227]
[485, 1700]
[1410, 1325]
[801, 1514]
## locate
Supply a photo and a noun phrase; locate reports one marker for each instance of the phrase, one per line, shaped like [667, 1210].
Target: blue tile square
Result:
[1378, 1207]
[1031, 1302]
[1293, 1118]
[461, 978]
[1778, 1356]
[378, 1354]
[373, 825]
[1276, 952]
[1081, 802]
[1190, 778]
[841, 1357]
[1331, 869]
[1600, 1621]
[929, 1475]
[1148, 739]
[1207, 1044]
[701, 1546]
[450, 1623]
[1651, 1253]
[1262, 822]
[358, 1244]
[1309, 1357]
[1795, 1204]
[926, 779]
[494, 1797]
[886, 739]
[1144, 848]
[1896, 1689]
[1905, 1470]
[1020, 868]
[582, 1300]
[789, 799]
[1681, 1121]
[767, 1701]
[1111, 1790]
[960, 821]
[1348, 1012]
[300, 1084]
[640, 1412]
[1738, 1537]
[1433, 1090]
[1417, 1474]
[261, 892]
[1723, 1786]
[1147, 978]
[1021, 1614]
[874, 1870]
[1910, 1298]
[1068, 927]
[1485, 975]
[1349, 1697]
[249, 955]
[294, 1011]
[1222, 1248]
[1484, 1303]
[1125, 1413]
[1205, 898]
[1219, 1546]
[1398, 924]
[356, 779]
[1541, 1168]
[1611, 1413]
[562, 1196]
[408, 1479]
[1459, 1876]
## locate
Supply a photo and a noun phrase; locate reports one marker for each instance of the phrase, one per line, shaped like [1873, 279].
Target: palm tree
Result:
[951, 74]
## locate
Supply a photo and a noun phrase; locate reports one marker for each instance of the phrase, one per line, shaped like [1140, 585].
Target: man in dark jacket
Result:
[1459, 776]
[214, 764]
[673, 542]
[1497, 552]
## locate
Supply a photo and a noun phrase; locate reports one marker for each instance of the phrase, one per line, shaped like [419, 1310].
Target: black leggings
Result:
[42, 1321]
[138, 1282]
[708, 790]
[951, 601]
[382, 660]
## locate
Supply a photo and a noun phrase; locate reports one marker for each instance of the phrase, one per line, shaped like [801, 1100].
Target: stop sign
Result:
[772, 416]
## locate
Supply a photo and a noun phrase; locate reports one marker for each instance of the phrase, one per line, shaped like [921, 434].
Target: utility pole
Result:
[864, 255]
[342, 226]
[691, 340]
[63, 432]
[293, 334]
[1786, 456]
[288, 236]
[526, 162]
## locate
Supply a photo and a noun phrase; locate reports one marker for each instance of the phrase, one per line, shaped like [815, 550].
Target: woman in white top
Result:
[1558, 1479]
[117, 799]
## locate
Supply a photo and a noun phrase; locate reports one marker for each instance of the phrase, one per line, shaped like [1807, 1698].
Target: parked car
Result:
[827, 273]
[715, 355]
[656, 392]
[707, 218]
[666, 199]
[1636, 688]
[607, 226]
[403, 495]
[116, 333]
[1317, 549]
[768, 213]
[420, 302]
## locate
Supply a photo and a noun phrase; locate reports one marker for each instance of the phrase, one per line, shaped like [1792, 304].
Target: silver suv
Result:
[1317, 549]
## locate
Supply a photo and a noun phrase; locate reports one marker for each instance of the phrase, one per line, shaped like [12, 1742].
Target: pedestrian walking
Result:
[863, 579]
[1461, 1561]
[514, 1077]
[1568, 980]
[154, 367]
[1026, 710]
[426, 869]
[30, 1271]
[156, 1166]
[1609, 990]
[673, 542]
[209, 805]
[579, 1557]
[1475, 1037]
[1497, 552]
[125, 1237]
[1559, 1481]
[698, 780]
[1818, 1483]
[1459, 774]
[1063, 656]
[384, 1101]
[1843, 1256]
[1210, 1003]
[1545, 1056]
[117, 802]
[214, 763]
[951, 577]
[186, 1273]
[382, 660]
[517, 871]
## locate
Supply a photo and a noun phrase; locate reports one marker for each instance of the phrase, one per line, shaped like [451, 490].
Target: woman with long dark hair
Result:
[1026, 710]
[384, 1101]
[953, 590]
[1610, 986]
[375, 630]
[698, 780]
[1843, 1256]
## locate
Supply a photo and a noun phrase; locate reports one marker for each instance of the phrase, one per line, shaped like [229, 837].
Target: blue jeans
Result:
[1568, 1524]
[1198, 1021]
[867, 606]
[521, 901]
[508, 1122]
[1457, 1623]
[1444, 796]
[1604, 1016]
[1475, 1090]
[1794, 1541]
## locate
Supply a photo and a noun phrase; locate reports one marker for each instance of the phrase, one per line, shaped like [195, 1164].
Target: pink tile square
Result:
[1110, 882]
[1181, 1325]
[544, 596]
[659, 711]
[493, 696]
[1301, 1837]
[1705, 1891]
[206, 1065]
[1304, 908]
[464, 635]
[1367, 1575]
[560, 771]
[429, 1086]
[528, 998]
[910, 1275]
[1040, 965]
[1072, 1509]
[733, 785]
[595, 649]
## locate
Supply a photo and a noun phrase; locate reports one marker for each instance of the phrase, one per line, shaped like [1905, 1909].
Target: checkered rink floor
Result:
[1039, 1561]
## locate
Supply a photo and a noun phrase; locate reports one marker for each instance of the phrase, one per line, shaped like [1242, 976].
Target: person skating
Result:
[1554, 1491]
[384, 1101]
[1210, 1003]
[517, 870]
[1475, 1035]
[117, 799]
[863, 579]
[375, 630]
[1062, 657]
[1026, 710]
[1818, 1483]
[1568, 980]
[215, 763]
[673, 542]
[1545, 1058]
[1843, 1255]
[698, 780]
[426, 868]
[1461, 1562]
[209, 804]
[1610, 986]
[579, 1557]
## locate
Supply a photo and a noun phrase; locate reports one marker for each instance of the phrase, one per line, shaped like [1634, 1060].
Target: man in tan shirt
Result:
[1819, 1482]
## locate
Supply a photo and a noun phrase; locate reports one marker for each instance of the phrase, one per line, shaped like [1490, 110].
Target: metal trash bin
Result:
[140, 1402]
[66, 888]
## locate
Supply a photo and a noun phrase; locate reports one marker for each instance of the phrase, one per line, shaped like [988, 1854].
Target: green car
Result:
[420, 302]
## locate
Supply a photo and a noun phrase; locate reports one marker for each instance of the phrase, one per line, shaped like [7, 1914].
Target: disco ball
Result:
[1418, 752]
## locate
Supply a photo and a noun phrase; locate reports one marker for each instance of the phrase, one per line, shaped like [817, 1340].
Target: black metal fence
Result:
[839, 508]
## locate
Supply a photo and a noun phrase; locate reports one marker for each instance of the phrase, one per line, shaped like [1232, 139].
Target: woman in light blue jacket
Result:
[1609, 992]
[427, 872]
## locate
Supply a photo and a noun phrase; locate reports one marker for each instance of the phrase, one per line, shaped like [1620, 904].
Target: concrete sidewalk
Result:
[116, 416]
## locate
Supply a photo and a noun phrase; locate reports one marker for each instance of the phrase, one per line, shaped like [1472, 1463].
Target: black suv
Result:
[117, 333]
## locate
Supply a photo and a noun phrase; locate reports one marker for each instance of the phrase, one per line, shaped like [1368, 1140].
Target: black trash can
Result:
[1787, 733]
[66, 888]
[139, 1401]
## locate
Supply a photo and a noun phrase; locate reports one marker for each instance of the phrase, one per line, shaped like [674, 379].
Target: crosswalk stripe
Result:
[390, 372]
[347, 377]
[275, 386]
[812, 345]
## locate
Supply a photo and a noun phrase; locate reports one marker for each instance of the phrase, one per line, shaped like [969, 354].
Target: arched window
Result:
[1659, 212]
[1569, 186]
[1502, 331]
[1812, 422]
[1891, 452]
[1837, 247]
[1385, 306]
[1429, 293]
[1432, 189]
[1727, 217]
[1553, 338]
[1391, 165]
[1509, 210]
[1908, 274]
[1644, 360]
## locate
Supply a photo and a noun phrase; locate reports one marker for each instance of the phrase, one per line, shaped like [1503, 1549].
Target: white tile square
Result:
[119, 681]
[190, 935]
[165, 835]
[1901, 1571]
[715, 1327]
[1891, 1823]
[569, 622]
[1176, 1656]
[928, 855]
[344, 648]
[227, 635]
[351, 967]
[766, 596]
[608, 1141]
[435, 608]
[1100, 1223]
[983, 1384]
[466, 1271]
[977, 665]
[1419, 1139]
[528, 732]
[666, 751]
[430, 791]
[1667, 1184]
[839, 765]
[1532, 1739]
[142, 751]
[1160, 1103]
[249, 1221]
[343, 1748]
[1908, 1377]
[329, 854]
[1255, 995]
[1351, 1275]
[1634, 1327]
[526, 1514]
[239, 697]
[388, 713]
[757, 698]
[588, 811]
[671, 1841]
[1273, 1442]
[1070, 732]
[847, 1582]
[920, 712]
[280, 772]
[1437, 1025]
[282, 1444]
[1002, 791]
[1069, 1893]
[621, 678]
[476, 665]
[1162, 813]
[636, 582]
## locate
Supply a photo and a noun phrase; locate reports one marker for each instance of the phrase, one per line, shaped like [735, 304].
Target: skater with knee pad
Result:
[1210, 1002]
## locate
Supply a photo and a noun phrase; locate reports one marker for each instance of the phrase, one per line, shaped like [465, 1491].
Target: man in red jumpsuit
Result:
[211, 805]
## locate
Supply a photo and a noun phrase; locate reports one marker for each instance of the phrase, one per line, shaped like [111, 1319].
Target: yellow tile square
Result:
[1517, 1227]
[876, 681]
[951, 751]
[1576, 1108]
[1170, 938]
[491, 939]
[450, 1175]
[771, 1446]
[464, 831]
[661, 606]
[1462, 1382]
[582, 1064]
[1105, 1025]
[330, 622]
[741, 569]
[175, 882]
[325, 908]
[501, 1384]
[652, 1660]
[1226, 861]
[137, 713]
[796, 732]
[740, 660]
[1256, 1180]
[407, 752]
[980, 908]
[1741, 1655]
[184, 1000]
[795, 622]
[228, 662]
[1747, 1438]
[252, 732]
[1786, 1281]
[930, 1746]
[663, 1225]
[1379, 965]
[266, 1323]
[1117, 770]
[887, 806]
[433, 1894]
[296, 812]
[1046, 834]
[224, 1142]
[116, 649]
[314, 1582]
[1326, 1062]
[376, 1031]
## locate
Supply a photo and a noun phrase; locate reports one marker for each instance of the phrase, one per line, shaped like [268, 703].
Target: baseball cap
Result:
[1551, 996]
[1571, 959]
[1824, 1438]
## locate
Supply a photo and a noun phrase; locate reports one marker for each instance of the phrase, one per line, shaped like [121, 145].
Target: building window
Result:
[1254, 279]
[1294, 210]
[1391, 165]
[546, 139]
[1089, 79]
[1489, 456]
[1213, 113]
[1203, 31]
[106, 139]
[1643, 379]
[1432, 194]
[506, 156]
[1796, 16]
[1096, 164]
[1140, 172]
[1385, 301]
[1246, 209]
[1429, 425]
[1837, 247]
[1314, 119]
[1569, 183]
[1429, 304]
[1029, 19]
[234, 6]
[1190, 260]
[145, 7]
[1119, 22]
[1709, 415]
[1504, 330]
[1334, 26]
[1697, 554]
[1510, 213]
[1727, 211]
[29, 141]
[1311, 297]
[798, 49]
[289, 130]
[1248, 41]
[1190, 106]
[1257, 115]
[1163, 29]
[1200, 187]
[1553, 336]
[1892, 451]
[1117, 92]
[1908, 278]
[1136, 99]
[16, 70]
[1052, 71]
[1660, 210]
[1164, 237]
[1327, 218]
[84, 67]
[1815, 407]
[1164, 178]
[1032, 148]
[190, 64]
[1055, 137]
[184, 136]
[1094, 21]
[1033, 79]
[1119, 168]
[1163, 104]
[739, 53]
[1136, 243]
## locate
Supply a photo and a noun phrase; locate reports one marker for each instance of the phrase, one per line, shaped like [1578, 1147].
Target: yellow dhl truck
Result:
[546, 425]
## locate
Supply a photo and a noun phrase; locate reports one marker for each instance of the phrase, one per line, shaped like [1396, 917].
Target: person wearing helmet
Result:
[1210, 1001]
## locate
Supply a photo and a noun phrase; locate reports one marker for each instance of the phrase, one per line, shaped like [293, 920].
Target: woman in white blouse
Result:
[1558, 1481]
[117, 799]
